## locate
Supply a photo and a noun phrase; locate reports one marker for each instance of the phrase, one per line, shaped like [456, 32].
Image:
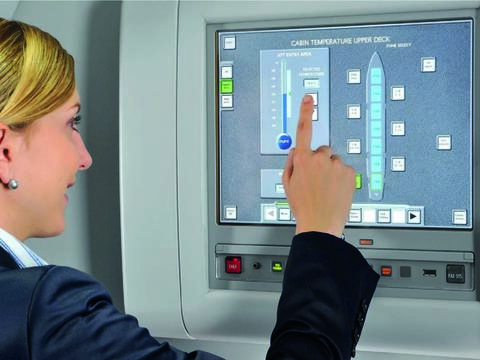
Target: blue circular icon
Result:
[284, 141]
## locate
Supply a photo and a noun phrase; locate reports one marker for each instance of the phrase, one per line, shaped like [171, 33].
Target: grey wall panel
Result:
[102, 77]
[7, 8]
[148, 165]
[90, 32]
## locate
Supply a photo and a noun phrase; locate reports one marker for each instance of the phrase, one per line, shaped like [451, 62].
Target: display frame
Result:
[231, 29]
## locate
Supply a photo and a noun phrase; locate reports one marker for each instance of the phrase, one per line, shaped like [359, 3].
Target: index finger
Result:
[304, 126]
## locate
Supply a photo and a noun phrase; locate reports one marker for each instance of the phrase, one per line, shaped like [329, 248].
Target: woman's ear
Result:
[7, 139]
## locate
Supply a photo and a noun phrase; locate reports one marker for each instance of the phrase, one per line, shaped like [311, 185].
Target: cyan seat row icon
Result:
[376, 147]
[376, 93]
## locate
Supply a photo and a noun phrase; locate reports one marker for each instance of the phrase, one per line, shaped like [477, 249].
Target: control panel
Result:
[397, 268]
[395, 100]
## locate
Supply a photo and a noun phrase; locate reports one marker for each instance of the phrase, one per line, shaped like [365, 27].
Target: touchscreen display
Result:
[393, 100]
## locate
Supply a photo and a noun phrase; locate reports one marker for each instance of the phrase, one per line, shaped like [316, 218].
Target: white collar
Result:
[23, 256]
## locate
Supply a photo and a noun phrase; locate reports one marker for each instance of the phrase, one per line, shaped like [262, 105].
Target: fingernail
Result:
[307, 99]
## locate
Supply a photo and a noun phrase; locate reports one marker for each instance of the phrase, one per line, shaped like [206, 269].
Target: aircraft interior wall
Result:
[146, 219]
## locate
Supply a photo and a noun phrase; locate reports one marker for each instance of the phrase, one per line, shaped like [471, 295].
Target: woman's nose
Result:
[85, 157]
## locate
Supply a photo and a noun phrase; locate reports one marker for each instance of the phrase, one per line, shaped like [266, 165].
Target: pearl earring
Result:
[13, 184]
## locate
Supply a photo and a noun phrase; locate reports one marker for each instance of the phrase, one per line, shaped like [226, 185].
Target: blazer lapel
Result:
[6, 260]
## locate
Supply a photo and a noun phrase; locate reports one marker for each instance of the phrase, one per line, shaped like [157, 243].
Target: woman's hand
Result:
[319, 186]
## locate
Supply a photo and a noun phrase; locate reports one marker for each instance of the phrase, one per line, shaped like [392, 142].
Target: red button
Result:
[233, 264]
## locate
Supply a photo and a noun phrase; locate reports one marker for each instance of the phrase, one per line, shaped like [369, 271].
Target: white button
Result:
[353, 76]
[311, 83]
[459, 217]
[398, 216]
[229, 43]
[315, 114]
[284, 214]
[429, 64]
[227, 72]
[354, 111]
[227, 101]
[279, 189]
[230, 212]
[398, 163]
[398, 93]
[414, 216]
[355, 216]
[383, 216]
[444, 142]
[369, 215]
[270, 213]
[354, 146]
[315, 98]
[398, 128]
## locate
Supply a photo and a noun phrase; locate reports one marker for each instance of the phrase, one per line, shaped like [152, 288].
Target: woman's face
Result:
[51, 153]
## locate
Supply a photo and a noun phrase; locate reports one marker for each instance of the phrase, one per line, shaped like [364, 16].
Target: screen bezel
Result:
[218, 31]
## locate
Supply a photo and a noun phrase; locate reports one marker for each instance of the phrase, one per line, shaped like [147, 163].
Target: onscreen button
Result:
[355, 216]
[353, 76]
[429, 64]
[459, 217]
[444, 142]
[270, 213]
[414, 216]
[230, 212]
[398, 93]
[227, 72]
[383, 216]
[229, 43]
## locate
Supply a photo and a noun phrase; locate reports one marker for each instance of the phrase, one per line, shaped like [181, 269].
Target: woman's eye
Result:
[75, 122]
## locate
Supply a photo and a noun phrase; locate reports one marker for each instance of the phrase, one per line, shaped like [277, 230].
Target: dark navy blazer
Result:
[55, 312]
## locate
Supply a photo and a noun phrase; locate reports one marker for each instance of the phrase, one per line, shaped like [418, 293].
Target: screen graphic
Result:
[393, 100]
[285, 76]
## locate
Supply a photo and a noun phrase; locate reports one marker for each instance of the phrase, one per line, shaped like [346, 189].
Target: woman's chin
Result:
[54, 229]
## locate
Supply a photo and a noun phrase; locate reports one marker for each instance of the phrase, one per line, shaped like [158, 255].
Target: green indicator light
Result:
[281, 203]
[277, 266]
[358, 181]
[226, 86]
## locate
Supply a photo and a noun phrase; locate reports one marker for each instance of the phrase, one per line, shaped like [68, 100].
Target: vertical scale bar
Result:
[284, 141]
[284, 96]
[289, 95]
[376, 128]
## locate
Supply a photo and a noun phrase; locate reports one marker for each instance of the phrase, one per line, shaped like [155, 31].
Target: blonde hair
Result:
[36, 74]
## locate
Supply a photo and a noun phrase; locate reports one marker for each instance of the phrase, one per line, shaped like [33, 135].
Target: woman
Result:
[52, 312]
